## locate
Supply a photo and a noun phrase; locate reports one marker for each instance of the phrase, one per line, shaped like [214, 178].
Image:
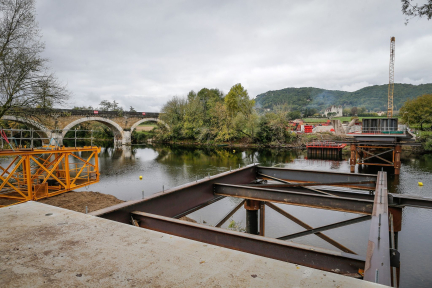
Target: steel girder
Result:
[297, 175]
[377, 267]
[174, 202]
[327, 260]
[295, 198]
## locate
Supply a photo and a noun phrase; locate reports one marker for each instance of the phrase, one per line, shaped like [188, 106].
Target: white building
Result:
[334, 109]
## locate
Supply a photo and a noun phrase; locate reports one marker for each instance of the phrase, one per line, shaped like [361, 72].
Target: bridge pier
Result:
[127, 138]
[58, 138]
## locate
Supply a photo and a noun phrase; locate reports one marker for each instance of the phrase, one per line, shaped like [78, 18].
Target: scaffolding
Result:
[33, 174]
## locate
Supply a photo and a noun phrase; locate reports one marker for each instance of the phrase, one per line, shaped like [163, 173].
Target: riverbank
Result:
[299, 143]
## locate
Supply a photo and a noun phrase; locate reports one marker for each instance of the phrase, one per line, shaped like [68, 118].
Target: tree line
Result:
[210, 116]
[310, 101]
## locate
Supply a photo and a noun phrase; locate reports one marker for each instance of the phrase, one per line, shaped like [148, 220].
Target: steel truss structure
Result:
[323, 190]
[33, 174]
[368, 155]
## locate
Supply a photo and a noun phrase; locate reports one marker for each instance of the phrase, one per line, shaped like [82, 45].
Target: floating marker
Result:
[233, 151]
[420, 183]
[140, 177]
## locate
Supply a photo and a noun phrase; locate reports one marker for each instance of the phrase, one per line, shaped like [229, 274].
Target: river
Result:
[164, 167]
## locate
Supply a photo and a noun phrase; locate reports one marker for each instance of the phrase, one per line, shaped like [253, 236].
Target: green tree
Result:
[418, 110]
[309, 112]
[106, 105]
[237, 100]
[273, 127]
[294, 115]
[346, 112]
[82, 108]
[416, 10]
[173, 114]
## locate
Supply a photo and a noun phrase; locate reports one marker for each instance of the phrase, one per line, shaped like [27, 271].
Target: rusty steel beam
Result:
[377, 268]
[262, 219]
[298, 175]
[309, 184]
[287, 182]
[306, 226]
[409, 200]
[179, 199]
[395, 200]
[314, 257]
[231, 213]
[326, 227]
[198, 207]
[376, 155]
[295, 198]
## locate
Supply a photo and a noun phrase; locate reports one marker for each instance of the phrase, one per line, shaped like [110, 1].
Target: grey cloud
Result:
[141, 53]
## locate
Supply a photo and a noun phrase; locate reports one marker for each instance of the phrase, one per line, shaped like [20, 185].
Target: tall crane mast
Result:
[391, 78]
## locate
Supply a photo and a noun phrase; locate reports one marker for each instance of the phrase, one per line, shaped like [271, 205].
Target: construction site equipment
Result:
[314, 189]
[33, 174]
[324, 148]
[391, 78]
[308, 128]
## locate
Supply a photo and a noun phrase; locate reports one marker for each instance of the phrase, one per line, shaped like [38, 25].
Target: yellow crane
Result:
[391, 78]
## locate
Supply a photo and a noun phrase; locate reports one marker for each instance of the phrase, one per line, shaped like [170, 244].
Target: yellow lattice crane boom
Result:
[391, 78]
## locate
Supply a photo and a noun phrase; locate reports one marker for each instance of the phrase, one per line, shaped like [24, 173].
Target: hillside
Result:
[373, 98]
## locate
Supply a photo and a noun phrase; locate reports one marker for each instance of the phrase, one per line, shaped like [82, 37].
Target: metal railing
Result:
[22, 137]
[324, 144]
[380, 130]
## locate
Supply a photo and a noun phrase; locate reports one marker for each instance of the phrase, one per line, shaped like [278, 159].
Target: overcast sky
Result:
[141, 53]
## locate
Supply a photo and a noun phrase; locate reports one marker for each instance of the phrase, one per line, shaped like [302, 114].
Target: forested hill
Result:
[373, 98]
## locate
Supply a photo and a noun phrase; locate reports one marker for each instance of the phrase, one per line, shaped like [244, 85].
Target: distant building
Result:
[334, 109]
[381, 113]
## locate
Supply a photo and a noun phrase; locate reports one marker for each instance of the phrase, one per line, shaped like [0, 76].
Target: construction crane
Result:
[391, 78]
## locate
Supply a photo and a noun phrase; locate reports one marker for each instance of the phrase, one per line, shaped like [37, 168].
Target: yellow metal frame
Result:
[35, 174]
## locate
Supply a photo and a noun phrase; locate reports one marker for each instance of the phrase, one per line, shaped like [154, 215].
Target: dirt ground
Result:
[77, 201]
[144, 128]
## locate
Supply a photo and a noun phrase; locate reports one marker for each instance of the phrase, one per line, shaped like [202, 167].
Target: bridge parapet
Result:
[100, 113]
[58, 121]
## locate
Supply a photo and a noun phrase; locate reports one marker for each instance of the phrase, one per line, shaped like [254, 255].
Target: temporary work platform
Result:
[324, 148]
[32, 174]
[315, 189]
[379, 143]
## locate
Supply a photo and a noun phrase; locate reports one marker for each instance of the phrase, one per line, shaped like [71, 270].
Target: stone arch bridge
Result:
[55, 123]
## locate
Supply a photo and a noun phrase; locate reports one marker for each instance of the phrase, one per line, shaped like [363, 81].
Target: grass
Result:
[315, 120]
[152, 124]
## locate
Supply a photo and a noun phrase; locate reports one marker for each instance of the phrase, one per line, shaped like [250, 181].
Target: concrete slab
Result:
[46, 246]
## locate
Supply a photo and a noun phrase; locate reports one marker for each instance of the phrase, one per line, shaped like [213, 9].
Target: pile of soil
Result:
[77, 201]
[184, 218]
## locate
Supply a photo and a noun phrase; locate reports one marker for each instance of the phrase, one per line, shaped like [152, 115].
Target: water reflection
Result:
[175, 165]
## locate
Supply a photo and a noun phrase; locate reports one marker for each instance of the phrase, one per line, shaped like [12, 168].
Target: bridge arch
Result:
[41, 130]
[116, 128]
[147, 120]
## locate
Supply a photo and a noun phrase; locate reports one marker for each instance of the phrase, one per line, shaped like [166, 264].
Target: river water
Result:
[164, 167]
